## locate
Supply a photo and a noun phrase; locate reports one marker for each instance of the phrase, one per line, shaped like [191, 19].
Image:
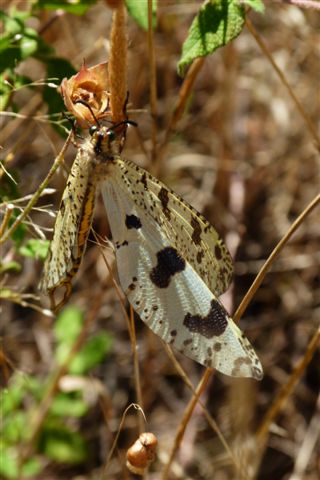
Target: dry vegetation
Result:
[243, 155]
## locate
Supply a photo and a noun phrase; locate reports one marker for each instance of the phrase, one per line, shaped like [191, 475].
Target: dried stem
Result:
[42, 411]
[132, 334]
[184, 94]
[118, 64]
[248, 297]
[6, 218]
[286, 390]
[153, 85]
[57, 162]
[184, 421]
[284, 81]
[213, 424]
[115, 441]
[267, 265]
[136, 368]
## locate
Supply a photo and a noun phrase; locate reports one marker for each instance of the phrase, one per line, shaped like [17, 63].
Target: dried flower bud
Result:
[89, 85]
[142, 453]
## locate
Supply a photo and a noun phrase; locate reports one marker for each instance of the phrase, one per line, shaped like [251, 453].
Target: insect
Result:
[172, 265]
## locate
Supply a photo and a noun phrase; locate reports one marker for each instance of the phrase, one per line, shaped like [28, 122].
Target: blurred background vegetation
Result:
[242, 154]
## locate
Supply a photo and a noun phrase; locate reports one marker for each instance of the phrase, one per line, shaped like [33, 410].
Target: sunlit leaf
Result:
[68, 405]
[139, 12]
[77, 7]
[256, 5]
[35, 248]
[61, 444]
[91, 354]
[217, 23]
[68, 325]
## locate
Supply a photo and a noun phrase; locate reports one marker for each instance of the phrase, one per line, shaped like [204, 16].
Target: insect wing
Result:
[186, 229]
[163, 286]
[72, 224]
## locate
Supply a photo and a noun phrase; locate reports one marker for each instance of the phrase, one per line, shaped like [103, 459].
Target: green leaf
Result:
[15, 428]
[217, 23]
[68, 325]
[256, 5]
[9, 81]
[35, 248]
[32, 467]
[139, 12]
[11, 266]
[91, 354]
[19, 42]
[9, 185]
[68, 405]
[12, 397]
[77, 7]
[9, 464]
[57, 68]
[61, 444]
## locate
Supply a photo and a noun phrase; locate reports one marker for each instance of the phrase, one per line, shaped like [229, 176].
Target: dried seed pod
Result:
[87, 92]
[142, 453]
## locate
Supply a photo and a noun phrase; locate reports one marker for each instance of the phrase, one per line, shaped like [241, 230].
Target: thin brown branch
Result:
[185, 420]
[184, 95]
[57, 162]
[284, 81]
[248, 297]
[53, 388]
[286, 389]
[267, 265]
[153, 84]
[118, 64]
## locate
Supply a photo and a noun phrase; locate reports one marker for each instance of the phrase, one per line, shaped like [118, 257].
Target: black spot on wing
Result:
[163, 196]
[62, 208]
[132, 221]
[170, 262]
[213, 324]
[144, 181]
[196, 234]
[200, 256]
[218, 252]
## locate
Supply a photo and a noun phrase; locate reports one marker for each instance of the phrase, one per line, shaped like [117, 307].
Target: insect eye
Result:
[93, 129]
[111, 135]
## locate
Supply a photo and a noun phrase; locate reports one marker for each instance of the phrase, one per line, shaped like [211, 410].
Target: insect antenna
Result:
[91, 111]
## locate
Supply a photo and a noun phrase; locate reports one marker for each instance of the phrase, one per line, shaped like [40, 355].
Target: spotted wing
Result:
[72, 224]
[185, 228]
[165, 289]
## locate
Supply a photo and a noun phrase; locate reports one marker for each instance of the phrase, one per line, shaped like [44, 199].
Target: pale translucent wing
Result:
[72, 224]
[186, 229]
[167, 292]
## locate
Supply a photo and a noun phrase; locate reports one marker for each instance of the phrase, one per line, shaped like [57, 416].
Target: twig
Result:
[248, 297]
[115, 441]
[42, 411]
[153, 85]
[213, 424]
[57, 162]
[184, 94]
[287, 389]
[131, 330]
[6, 218]
[262, 273]
[184, 421]
[136, 368]
[283, 79]
[118, 64]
